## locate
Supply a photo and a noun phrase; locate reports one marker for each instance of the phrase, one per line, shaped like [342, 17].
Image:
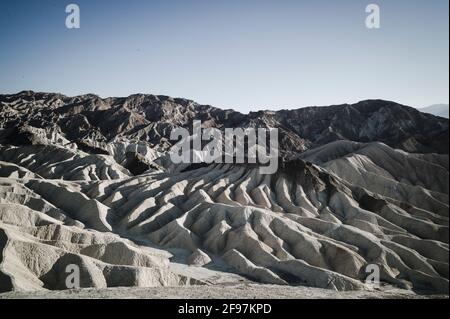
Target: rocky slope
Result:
[93, 123]
[85, 181]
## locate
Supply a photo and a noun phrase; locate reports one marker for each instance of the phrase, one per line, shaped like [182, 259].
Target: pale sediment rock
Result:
[320, 220]
[198, 258]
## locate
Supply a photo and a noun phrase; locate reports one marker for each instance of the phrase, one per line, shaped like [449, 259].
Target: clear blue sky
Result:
[241, 54]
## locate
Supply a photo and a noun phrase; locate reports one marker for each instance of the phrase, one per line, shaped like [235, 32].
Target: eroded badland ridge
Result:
[88, 181]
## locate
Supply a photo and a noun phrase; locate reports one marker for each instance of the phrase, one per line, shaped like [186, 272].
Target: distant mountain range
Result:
[92, 122]
[436, 109]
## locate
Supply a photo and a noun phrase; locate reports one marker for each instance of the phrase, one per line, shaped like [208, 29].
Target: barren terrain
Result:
[88, 181]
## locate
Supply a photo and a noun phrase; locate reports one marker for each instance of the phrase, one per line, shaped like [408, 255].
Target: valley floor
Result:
[224, 291]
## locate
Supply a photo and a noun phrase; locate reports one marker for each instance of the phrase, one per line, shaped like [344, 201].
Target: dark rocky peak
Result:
[151, 117]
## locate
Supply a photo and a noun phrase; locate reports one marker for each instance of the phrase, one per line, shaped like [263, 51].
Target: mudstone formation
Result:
[88, 181]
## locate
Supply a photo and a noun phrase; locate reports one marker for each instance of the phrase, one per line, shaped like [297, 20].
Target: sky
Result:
[241, 54]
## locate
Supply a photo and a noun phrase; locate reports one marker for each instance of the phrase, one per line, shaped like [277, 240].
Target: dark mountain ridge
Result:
[151, 118]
